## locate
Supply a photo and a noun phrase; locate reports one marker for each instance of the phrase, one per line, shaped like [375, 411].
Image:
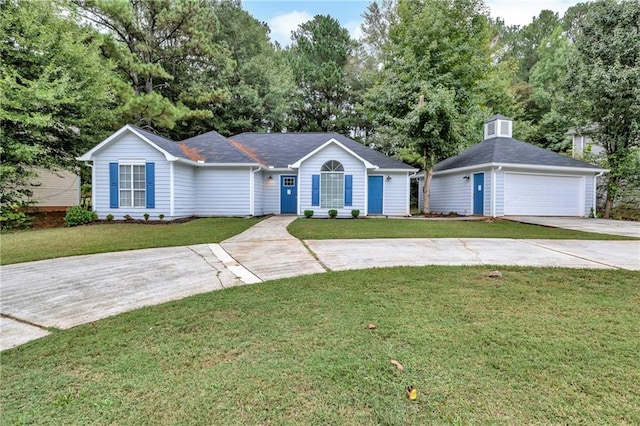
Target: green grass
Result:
[325, 229]
[539, 346]
[26, 246]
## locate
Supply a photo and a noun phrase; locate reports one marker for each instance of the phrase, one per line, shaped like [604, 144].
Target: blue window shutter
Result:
[348, 190]
[315, 190]
[151, 185]
[113, 185]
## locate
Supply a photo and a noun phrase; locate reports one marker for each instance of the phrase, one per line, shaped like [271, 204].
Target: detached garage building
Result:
[502, 176]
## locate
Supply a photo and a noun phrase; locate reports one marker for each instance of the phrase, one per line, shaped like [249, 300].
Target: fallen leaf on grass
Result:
[372, 326]
[397, 364]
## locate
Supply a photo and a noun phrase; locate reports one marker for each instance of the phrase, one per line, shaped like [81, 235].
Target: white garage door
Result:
[543, 195]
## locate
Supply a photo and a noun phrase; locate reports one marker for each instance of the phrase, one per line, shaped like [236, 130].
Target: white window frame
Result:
[332, 185]
[132, 190]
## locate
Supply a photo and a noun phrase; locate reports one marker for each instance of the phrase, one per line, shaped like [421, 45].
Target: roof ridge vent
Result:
[498, 126]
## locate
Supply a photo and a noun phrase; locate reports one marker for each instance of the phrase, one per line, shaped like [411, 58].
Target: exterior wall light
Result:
[270, 178]
[388, 178]
[465, 177]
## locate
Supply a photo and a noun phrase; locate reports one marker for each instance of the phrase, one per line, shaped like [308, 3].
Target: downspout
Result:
[93, 187]
[493, 190]
[252, 192]
[171, 190]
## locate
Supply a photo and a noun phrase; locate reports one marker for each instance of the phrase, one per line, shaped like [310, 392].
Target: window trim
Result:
[334, 168]
[132, 190]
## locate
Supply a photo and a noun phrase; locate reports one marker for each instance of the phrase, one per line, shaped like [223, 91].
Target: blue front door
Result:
[288, 195]
[375, 195]
[478, 193]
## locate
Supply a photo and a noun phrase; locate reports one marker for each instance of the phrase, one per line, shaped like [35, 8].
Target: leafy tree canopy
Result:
[604, 82]
[57, 93]
[318, 57]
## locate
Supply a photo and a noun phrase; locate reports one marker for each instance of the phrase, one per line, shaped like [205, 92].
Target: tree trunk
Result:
[427, 166]
[426, 190]
[608, 205]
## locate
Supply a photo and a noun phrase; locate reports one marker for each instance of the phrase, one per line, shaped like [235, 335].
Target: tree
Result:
[57, 94]
[154, 42]
[318, 57]
[522, 43]
[604, 82]
[259, 82]
[437, 83]
[548, 97]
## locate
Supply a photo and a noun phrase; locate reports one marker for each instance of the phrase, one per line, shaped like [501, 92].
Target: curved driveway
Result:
[66, 292]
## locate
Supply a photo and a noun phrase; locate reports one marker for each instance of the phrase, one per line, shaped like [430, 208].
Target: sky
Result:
[285, 16]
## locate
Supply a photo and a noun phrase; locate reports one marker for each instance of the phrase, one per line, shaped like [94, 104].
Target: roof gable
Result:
[166, 146]
[332, 141]
[502, 151]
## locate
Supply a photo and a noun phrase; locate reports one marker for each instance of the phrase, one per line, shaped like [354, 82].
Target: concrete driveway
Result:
[69, 291]
[599, 226]
[66, 292]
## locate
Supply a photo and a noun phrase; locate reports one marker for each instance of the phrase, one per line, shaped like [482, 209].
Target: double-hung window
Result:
[332, 185]
[132, 185]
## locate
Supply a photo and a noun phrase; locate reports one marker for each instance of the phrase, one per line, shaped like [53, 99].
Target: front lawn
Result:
[327, 229]
[538, 346]
[41, 244]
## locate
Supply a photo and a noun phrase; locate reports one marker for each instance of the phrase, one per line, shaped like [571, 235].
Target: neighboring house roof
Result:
[503, 150]
[283, 149]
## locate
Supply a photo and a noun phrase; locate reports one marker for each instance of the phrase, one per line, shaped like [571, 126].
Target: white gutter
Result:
[521, 166]
[203, 164]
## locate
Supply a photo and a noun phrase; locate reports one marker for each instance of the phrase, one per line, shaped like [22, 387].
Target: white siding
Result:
[271, 192]
[129, 146]
[396, 195]
[58, 189]
[499, 193]
[184, 204]
[589, 195]
[352, 166]
[223, 191]
[452, 193]
[486, 203]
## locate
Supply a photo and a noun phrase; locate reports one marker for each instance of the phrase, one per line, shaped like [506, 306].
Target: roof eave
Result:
[207, 164]
[522, 166]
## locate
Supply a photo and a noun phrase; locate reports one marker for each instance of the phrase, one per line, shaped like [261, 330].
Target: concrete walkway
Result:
[69, 291]
[270, 252]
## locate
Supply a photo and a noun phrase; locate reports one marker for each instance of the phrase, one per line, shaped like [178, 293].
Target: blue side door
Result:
[478, 193]
[288, 194]
[375, 195]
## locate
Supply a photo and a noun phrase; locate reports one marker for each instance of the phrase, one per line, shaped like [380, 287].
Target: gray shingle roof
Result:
[282, 149]
[271, 149]
[215, 148]
[509, 151]
[496, 117]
